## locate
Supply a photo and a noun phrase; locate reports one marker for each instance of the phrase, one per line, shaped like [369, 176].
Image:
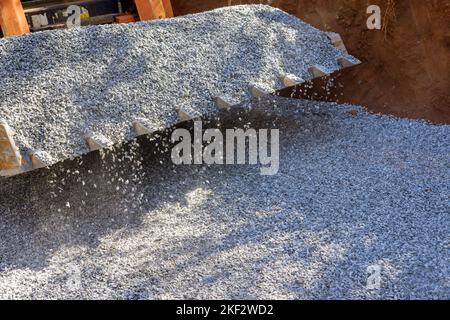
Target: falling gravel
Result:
[355, 193]
[58, 86]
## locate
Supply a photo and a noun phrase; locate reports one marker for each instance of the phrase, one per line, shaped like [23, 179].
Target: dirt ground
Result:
[406, 70]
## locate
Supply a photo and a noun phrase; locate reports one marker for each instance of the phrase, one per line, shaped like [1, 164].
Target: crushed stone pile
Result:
[355, 192]
[57, 86]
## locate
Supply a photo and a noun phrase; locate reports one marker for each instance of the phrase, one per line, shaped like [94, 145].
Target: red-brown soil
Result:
[406, 68]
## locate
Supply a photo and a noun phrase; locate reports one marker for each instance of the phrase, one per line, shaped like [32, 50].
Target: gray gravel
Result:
[353, 191]
[57, 86]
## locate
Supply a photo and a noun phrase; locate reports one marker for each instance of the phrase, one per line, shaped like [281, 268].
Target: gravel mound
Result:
[354, 191]
[58, 86]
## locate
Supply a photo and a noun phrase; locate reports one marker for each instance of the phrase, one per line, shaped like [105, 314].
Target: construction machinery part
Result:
[290, 80]
[222, 104]
[195, 100]
[183, 115]
[142, 126]
[39, 159]
[258, 92]
[10, 157]
[20, 17]
[317, 71]
[330, 88]
[337, 41]
[96, 141]
[345, 62]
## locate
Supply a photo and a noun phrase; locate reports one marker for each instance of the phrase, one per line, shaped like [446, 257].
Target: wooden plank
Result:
[125, 18]
[12, 18]
[150, 9]
[168, 8]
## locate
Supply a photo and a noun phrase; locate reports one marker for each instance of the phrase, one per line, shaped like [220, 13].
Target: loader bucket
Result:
[65, 93]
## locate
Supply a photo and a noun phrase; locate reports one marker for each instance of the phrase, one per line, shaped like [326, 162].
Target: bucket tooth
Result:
[183, 115]
[222, 104]
[97, 141]
[317, 71]
[10, 157]
[345, 62]
[290, 80]
[258, 92]
[337, 41]
[142, 126]
[39, 159]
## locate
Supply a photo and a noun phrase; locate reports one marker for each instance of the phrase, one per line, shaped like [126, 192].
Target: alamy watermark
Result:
[208, 147]
[377, 21]
[374, 20]
[73, 13]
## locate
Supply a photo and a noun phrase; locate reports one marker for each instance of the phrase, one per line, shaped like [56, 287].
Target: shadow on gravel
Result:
[310, 231]
[79, 201]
